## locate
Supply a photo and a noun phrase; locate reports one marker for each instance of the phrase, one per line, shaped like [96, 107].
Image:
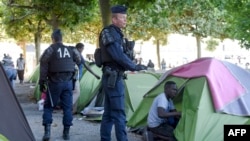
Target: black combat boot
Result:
[66, 133]
[46, 136]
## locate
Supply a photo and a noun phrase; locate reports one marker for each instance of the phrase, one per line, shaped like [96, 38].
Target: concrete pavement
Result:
[81, 130]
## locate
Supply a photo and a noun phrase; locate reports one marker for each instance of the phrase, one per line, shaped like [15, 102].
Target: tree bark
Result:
[158, 53]
[38, 37]
[198, 43]
[105, 12]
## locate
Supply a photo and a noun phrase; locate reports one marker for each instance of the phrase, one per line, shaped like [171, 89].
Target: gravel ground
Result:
[82, 130]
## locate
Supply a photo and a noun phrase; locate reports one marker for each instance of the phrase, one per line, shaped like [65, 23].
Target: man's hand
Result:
[178, 115]
[140, 67]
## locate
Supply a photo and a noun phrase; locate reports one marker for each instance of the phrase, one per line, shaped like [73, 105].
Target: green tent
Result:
[88, 87]
[135, 87]
[203, 118]
[34, 78]
[2, 138]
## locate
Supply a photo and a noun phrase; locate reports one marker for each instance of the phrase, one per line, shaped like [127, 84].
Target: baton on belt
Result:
[50, 97]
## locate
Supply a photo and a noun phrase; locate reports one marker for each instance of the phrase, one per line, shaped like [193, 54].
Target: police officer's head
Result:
[119, 15]
[56, 36]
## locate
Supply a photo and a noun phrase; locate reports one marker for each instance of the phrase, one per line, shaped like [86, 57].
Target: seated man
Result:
[9, 68]
[163, 117]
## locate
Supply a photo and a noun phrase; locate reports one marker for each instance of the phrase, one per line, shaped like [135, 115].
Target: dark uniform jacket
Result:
[111, 42]
[57, 63]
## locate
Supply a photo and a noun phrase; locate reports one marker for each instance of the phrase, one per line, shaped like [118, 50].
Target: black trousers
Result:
[166, 129]
[20, 74]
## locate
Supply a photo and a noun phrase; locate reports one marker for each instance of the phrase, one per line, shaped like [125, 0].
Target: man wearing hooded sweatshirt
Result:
[9, 68]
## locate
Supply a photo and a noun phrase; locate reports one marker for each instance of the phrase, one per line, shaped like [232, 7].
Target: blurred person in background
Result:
[9, 68]
[20, 65]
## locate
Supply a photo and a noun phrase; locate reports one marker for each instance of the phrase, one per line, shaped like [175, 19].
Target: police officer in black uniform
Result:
[57, 65]
[114, 63]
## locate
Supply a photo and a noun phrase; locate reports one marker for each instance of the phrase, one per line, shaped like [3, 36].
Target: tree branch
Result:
[21, 17]
[81, 3]
[15, 5]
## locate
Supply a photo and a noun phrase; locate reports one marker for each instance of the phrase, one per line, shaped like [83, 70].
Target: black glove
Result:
[140, 67]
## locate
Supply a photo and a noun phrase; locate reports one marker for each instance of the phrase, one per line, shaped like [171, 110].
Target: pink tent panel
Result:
[216, 74]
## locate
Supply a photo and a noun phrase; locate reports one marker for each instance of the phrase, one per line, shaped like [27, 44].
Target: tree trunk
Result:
[38, 37]
[158, 53]
[23, 47]
[97, 39]
[198, 43]
[105, 12]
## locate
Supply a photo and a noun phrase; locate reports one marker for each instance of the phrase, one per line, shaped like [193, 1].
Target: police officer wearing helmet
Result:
[57, 65]
[114, 63]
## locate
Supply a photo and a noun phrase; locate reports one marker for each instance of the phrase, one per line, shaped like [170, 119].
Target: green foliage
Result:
[88, 32]
[211, 45]
[199, 18]
[183, 16]
[81, 19]
[150, 22]
[238, 21]
[23, 19]
[134, 4]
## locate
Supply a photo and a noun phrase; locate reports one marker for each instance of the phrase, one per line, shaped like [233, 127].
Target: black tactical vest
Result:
[62, 59]
[106, 58]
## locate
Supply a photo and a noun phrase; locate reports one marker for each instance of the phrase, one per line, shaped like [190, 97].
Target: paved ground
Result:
[82, 130]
